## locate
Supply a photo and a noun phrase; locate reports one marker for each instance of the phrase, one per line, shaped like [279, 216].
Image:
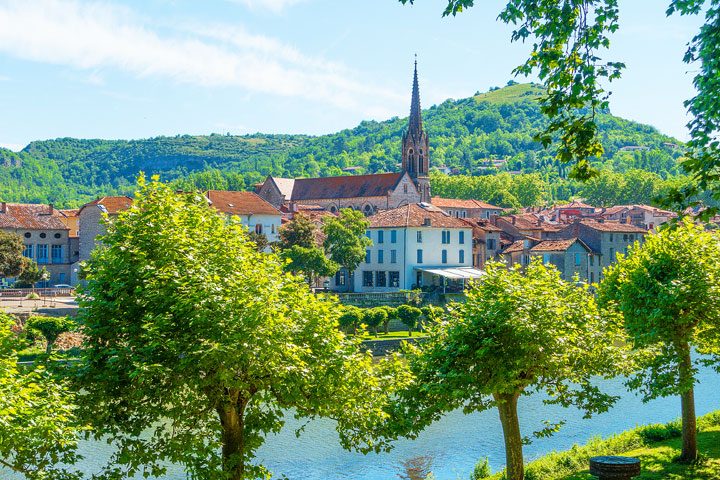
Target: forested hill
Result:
[484, 134]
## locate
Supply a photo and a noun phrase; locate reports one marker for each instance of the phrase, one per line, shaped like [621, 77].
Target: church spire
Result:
[415, 123]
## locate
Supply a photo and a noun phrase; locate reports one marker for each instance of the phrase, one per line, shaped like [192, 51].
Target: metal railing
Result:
[42, 292]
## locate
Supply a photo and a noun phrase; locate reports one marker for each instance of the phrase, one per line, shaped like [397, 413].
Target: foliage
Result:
[345, 240]
[259, 239]
[31, 274]
[515, 335]
[409, 316]
[49, 328]
[565, 464]
[11, 254]
[310, 261]
[300, 231]
[38, 425]
[375, 317]
[391, 315]
[351, 318]
[432, 313]
[197, 345]
[481, 469]
[668, 290]
[482, 135]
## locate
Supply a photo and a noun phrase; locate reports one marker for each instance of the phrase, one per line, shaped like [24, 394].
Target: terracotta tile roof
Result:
[615, 209]
[240, 203]
[70, 212]
[576, 204]
[517, 246]
[350, 186]
[309, 208]
[479, 226]
[30, 217]
[415, 215]
[608, 226]
[460, 203]
[111, 205]
[557, 245]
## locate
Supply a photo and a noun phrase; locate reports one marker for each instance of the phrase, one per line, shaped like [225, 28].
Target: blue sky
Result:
[137, 69]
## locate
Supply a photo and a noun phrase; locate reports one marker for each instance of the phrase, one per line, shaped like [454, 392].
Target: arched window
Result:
[258, 228]
[333, 209]
[368, 210]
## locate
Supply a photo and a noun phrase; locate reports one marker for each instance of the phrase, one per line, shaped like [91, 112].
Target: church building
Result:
[366, 193]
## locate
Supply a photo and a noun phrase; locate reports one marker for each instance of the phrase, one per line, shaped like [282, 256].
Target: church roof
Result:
[240, 203]
[285, 185]
[376, 185]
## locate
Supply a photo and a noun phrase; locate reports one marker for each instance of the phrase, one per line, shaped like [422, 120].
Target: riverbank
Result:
[656, 446]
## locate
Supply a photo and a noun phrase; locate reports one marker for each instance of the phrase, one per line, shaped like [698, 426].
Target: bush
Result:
[481, 470]
[351, 319]
[409, 316]
[391, 315]
[375, 317]
[49, 328]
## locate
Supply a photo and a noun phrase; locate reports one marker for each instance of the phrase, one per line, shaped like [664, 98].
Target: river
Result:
[455, 443]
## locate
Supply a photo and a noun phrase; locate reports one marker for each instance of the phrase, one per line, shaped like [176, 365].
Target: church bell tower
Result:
[415, 145]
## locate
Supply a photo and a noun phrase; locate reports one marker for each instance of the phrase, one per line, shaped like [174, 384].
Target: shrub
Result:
[49, 328]
[481, 470]
[351, 319]
[409, 316]
[391, 315]
[375, 317]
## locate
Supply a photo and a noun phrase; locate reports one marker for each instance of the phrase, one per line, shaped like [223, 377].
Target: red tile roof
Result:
[240, 203]
[557, 245]
[377, 185]
[73, 212]
[415, 215]
[576, 204]
[460, 203]
[111, 205]
[517, 246]
[608, 226]
[30, 217]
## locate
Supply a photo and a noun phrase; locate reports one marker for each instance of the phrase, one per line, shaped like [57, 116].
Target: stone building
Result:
[486, 242]
[366, 193]
[91, 221]
[254, 213]
[571, 257]
[45, 236]
[466, 208]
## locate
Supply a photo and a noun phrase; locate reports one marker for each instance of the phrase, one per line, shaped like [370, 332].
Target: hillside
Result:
[484, 134]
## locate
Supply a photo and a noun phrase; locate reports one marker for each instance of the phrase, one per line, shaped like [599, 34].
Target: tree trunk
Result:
[232, 420]
[507, 407]
[689, 425]
[48, 347]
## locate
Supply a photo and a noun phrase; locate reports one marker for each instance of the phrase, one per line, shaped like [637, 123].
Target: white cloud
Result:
[93, 36]
[274, 5]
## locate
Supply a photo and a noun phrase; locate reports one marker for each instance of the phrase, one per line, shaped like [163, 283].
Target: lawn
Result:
[657, 460]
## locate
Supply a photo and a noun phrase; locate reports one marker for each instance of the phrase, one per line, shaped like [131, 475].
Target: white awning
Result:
[455, 273]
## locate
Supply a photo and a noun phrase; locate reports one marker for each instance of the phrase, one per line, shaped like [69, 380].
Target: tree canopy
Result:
[198, 344]
[11, 254]
[668, 290]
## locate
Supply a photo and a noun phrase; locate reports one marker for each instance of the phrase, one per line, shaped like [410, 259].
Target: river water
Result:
[455, 443]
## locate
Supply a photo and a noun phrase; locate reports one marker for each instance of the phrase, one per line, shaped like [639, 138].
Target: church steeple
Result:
[415, 144]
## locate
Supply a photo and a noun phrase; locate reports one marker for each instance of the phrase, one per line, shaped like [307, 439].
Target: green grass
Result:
[511, 94]
[392, 335]
[656, 445]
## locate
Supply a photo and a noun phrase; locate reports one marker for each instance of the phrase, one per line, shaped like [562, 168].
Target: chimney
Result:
[51, 208]
[513, 219]
[427, 222]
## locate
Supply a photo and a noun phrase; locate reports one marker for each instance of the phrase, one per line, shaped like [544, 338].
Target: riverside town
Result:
[520, 283]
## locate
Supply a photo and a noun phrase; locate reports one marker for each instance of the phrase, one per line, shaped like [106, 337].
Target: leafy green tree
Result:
[11, 254]
[39, 429]
[301, 231]
[49, 328]
[345, 240]
[409, 316]
[204, 344]
[432, 313]
[309, 261]
[668, 290]
[351, 318]
[391, 315]
[259, 239]
[517, 334]
[31, 273]
[375, 317]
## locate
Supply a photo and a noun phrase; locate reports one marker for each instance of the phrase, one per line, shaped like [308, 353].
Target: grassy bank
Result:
[656, 445]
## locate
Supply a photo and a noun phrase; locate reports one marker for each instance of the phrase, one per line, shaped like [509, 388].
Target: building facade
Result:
[256, 214]
[473, 209]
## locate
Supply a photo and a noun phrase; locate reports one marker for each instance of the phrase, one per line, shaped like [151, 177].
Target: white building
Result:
[254, 212]
[417, 245]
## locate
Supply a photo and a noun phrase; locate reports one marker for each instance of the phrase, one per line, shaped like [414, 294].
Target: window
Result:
[380, 279]
[381, 236]
[405, 188]
[490, 242]
[461, 256]
[546, 258]
[578, 259]
[61, 277]
[42, 253]
[43, 235]
[393, 236]
[625, 237]
[393, 256]
[57, 253]
[57, 235]
[461, 237]
[611, 237]
[419, 236]
[611, 257]
[367, 279]
[446, 236]
[525, 259]
[381, 256]
[272, 228]
[592, 277]
[29, 251]
[394, 279]
[444, 256]
[368, 234]
[258, 228]
[28, 234]
[632, 237]
[592, 260]
[419, 256]
[340, 278]
[368, 256]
